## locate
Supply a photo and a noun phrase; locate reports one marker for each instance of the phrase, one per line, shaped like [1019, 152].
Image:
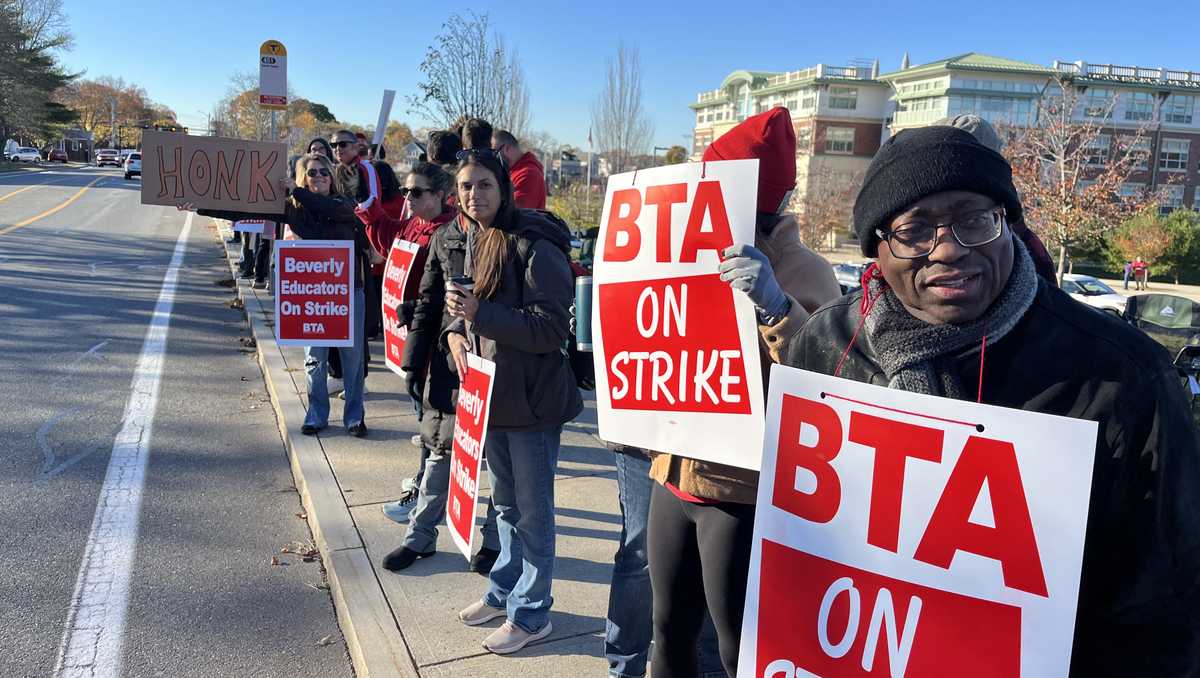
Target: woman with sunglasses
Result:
[322, 147]
[515, 315]
[316, 210]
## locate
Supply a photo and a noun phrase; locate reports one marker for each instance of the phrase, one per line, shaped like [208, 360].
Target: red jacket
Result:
[383, 228]
[529, 182]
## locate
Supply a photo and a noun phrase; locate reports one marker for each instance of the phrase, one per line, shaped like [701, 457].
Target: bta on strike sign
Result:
[466, 457]
[314, 292]
[675, 349]
[900, 534]
[399, 284]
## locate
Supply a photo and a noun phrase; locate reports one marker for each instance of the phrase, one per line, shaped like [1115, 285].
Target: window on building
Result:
[1139, 152]
[1172, 198]
[804, 140]
[1196, 198]
[1097, 151]
[1173, 154]
[1139, 106]
[808, 99]
[843, 98]
[1098, 102]
[1178, 108]
[793, 104]
[993, 109]
[1130, 189]
[839, 140]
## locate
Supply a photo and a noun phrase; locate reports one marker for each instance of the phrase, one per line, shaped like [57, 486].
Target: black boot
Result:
[401, 558]
[483, 561]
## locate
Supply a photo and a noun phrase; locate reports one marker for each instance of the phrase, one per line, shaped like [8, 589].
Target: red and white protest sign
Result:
[676, 350]
[255, 227]
[466, 457]
[900, 534]
[399, 284]
[314, 292]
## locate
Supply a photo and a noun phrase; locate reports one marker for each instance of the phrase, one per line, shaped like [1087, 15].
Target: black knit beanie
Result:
[917, 163]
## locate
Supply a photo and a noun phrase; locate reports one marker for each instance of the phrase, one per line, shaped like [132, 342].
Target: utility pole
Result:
[112, 101]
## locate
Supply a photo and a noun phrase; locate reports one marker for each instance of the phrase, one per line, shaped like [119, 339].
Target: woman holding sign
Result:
[513, 311]
[316, 210]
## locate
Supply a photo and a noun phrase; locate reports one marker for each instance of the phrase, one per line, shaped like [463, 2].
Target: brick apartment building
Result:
[841, 114]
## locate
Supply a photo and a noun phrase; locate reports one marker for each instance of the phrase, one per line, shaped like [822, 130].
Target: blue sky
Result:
[345, 54]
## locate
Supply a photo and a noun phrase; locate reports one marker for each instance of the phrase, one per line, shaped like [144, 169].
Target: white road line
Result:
[92, 642]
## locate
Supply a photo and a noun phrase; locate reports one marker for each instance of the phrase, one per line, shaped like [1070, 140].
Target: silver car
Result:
[1094, 293]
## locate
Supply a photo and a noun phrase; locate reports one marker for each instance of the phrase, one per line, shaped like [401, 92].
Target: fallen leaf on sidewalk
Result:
[327, 640]
[318, 587]
[302, 515]
[236, 303]
[275, 560]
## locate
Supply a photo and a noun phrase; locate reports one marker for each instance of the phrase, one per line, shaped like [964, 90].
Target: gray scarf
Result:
[917, 356]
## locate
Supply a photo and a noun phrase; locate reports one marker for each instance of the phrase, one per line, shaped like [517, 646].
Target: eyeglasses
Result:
[319, 172]
[343, 144]
[476, 152]
[918, 238]
[414, 193]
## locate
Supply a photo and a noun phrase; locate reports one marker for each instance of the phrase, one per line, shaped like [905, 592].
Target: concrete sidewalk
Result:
[405, 624]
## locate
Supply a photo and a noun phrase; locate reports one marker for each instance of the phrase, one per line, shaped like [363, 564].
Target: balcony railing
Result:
[1128, 73]
[706, 97]
[821, 71]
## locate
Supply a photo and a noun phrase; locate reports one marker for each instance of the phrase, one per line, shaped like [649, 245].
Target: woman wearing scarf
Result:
[953, 307]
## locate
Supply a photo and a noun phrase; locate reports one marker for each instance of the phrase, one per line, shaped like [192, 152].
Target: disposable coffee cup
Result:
[583, 312]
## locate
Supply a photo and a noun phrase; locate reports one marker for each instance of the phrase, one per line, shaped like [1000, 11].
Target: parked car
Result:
[849, 276]
[25, 154]
[108, 156]
[56, 155]
[133, 165]
[1094, 293]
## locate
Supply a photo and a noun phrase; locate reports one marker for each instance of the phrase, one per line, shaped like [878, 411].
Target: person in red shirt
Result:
[1141, 271]
[526, 171]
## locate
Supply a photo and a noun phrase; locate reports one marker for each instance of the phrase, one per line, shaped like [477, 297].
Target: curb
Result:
[374, 641]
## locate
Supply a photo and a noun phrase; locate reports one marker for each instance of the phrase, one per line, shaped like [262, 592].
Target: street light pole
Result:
[654, 155]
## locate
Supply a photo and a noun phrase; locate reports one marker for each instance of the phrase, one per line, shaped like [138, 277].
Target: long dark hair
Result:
[389, 185]
[492, 243]
[324, 144]
[439, 179]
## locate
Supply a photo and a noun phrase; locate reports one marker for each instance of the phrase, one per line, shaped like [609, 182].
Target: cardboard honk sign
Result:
[212, 172]
[900, 534]
[676, 349]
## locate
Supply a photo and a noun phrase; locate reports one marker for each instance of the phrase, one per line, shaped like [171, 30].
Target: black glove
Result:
[404, 313]
[415, 383]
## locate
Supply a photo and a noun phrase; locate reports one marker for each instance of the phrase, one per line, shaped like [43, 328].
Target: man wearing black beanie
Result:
[950, 279]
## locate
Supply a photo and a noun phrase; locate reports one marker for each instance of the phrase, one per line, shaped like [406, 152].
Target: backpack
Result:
[580, 362]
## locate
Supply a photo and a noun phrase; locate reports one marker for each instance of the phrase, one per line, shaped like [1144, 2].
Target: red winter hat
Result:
[771, 138]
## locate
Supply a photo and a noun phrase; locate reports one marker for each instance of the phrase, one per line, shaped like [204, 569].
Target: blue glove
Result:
[747, 269]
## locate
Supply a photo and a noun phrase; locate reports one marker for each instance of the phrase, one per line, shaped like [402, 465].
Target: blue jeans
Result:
[629, 629]
[430, 510]
[315, 371]
[521, 466]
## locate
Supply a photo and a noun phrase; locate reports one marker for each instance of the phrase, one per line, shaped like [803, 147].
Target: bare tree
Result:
[469, 71]
[45, 25]
[825, 205]
[621, 125]
[1068, 166]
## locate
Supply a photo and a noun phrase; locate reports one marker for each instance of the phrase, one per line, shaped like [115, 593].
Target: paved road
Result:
[82, 266]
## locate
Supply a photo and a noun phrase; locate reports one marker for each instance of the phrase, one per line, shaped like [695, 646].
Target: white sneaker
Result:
[400, 511]
[335, 386]
[510, 638]
[480, 612]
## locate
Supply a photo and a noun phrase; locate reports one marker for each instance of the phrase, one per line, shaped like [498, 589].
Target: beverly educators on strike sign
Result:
[317, 210]
[953, 308]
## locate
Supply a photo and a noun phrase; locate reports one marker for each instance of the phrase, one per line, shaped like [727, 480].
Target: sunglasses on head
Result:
[475, 152]
[343, 144]
[318, 172]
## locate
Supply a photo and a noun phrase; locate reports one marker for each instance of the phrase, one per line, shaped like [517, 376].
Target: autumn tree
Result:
[470, 71]
[676, 155]
[619, 119]
[31, 32]
[1069, 178]
[824, 207]
[1144, 235]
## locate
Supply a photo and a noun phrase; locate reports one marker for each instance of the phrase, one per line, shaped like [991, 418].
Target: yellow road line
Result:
[6, 196]
[52, 210]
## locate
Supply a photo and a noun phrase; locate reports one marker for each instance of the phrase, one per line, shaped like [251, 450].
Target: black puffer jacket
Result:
[523, 327]
[424, 356]
[1139, 600]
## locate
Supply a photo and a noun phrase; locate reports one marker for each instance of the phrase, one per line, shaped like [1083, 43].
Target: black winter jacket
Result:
[1139, 599]
[523, 327]
[424, 355]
